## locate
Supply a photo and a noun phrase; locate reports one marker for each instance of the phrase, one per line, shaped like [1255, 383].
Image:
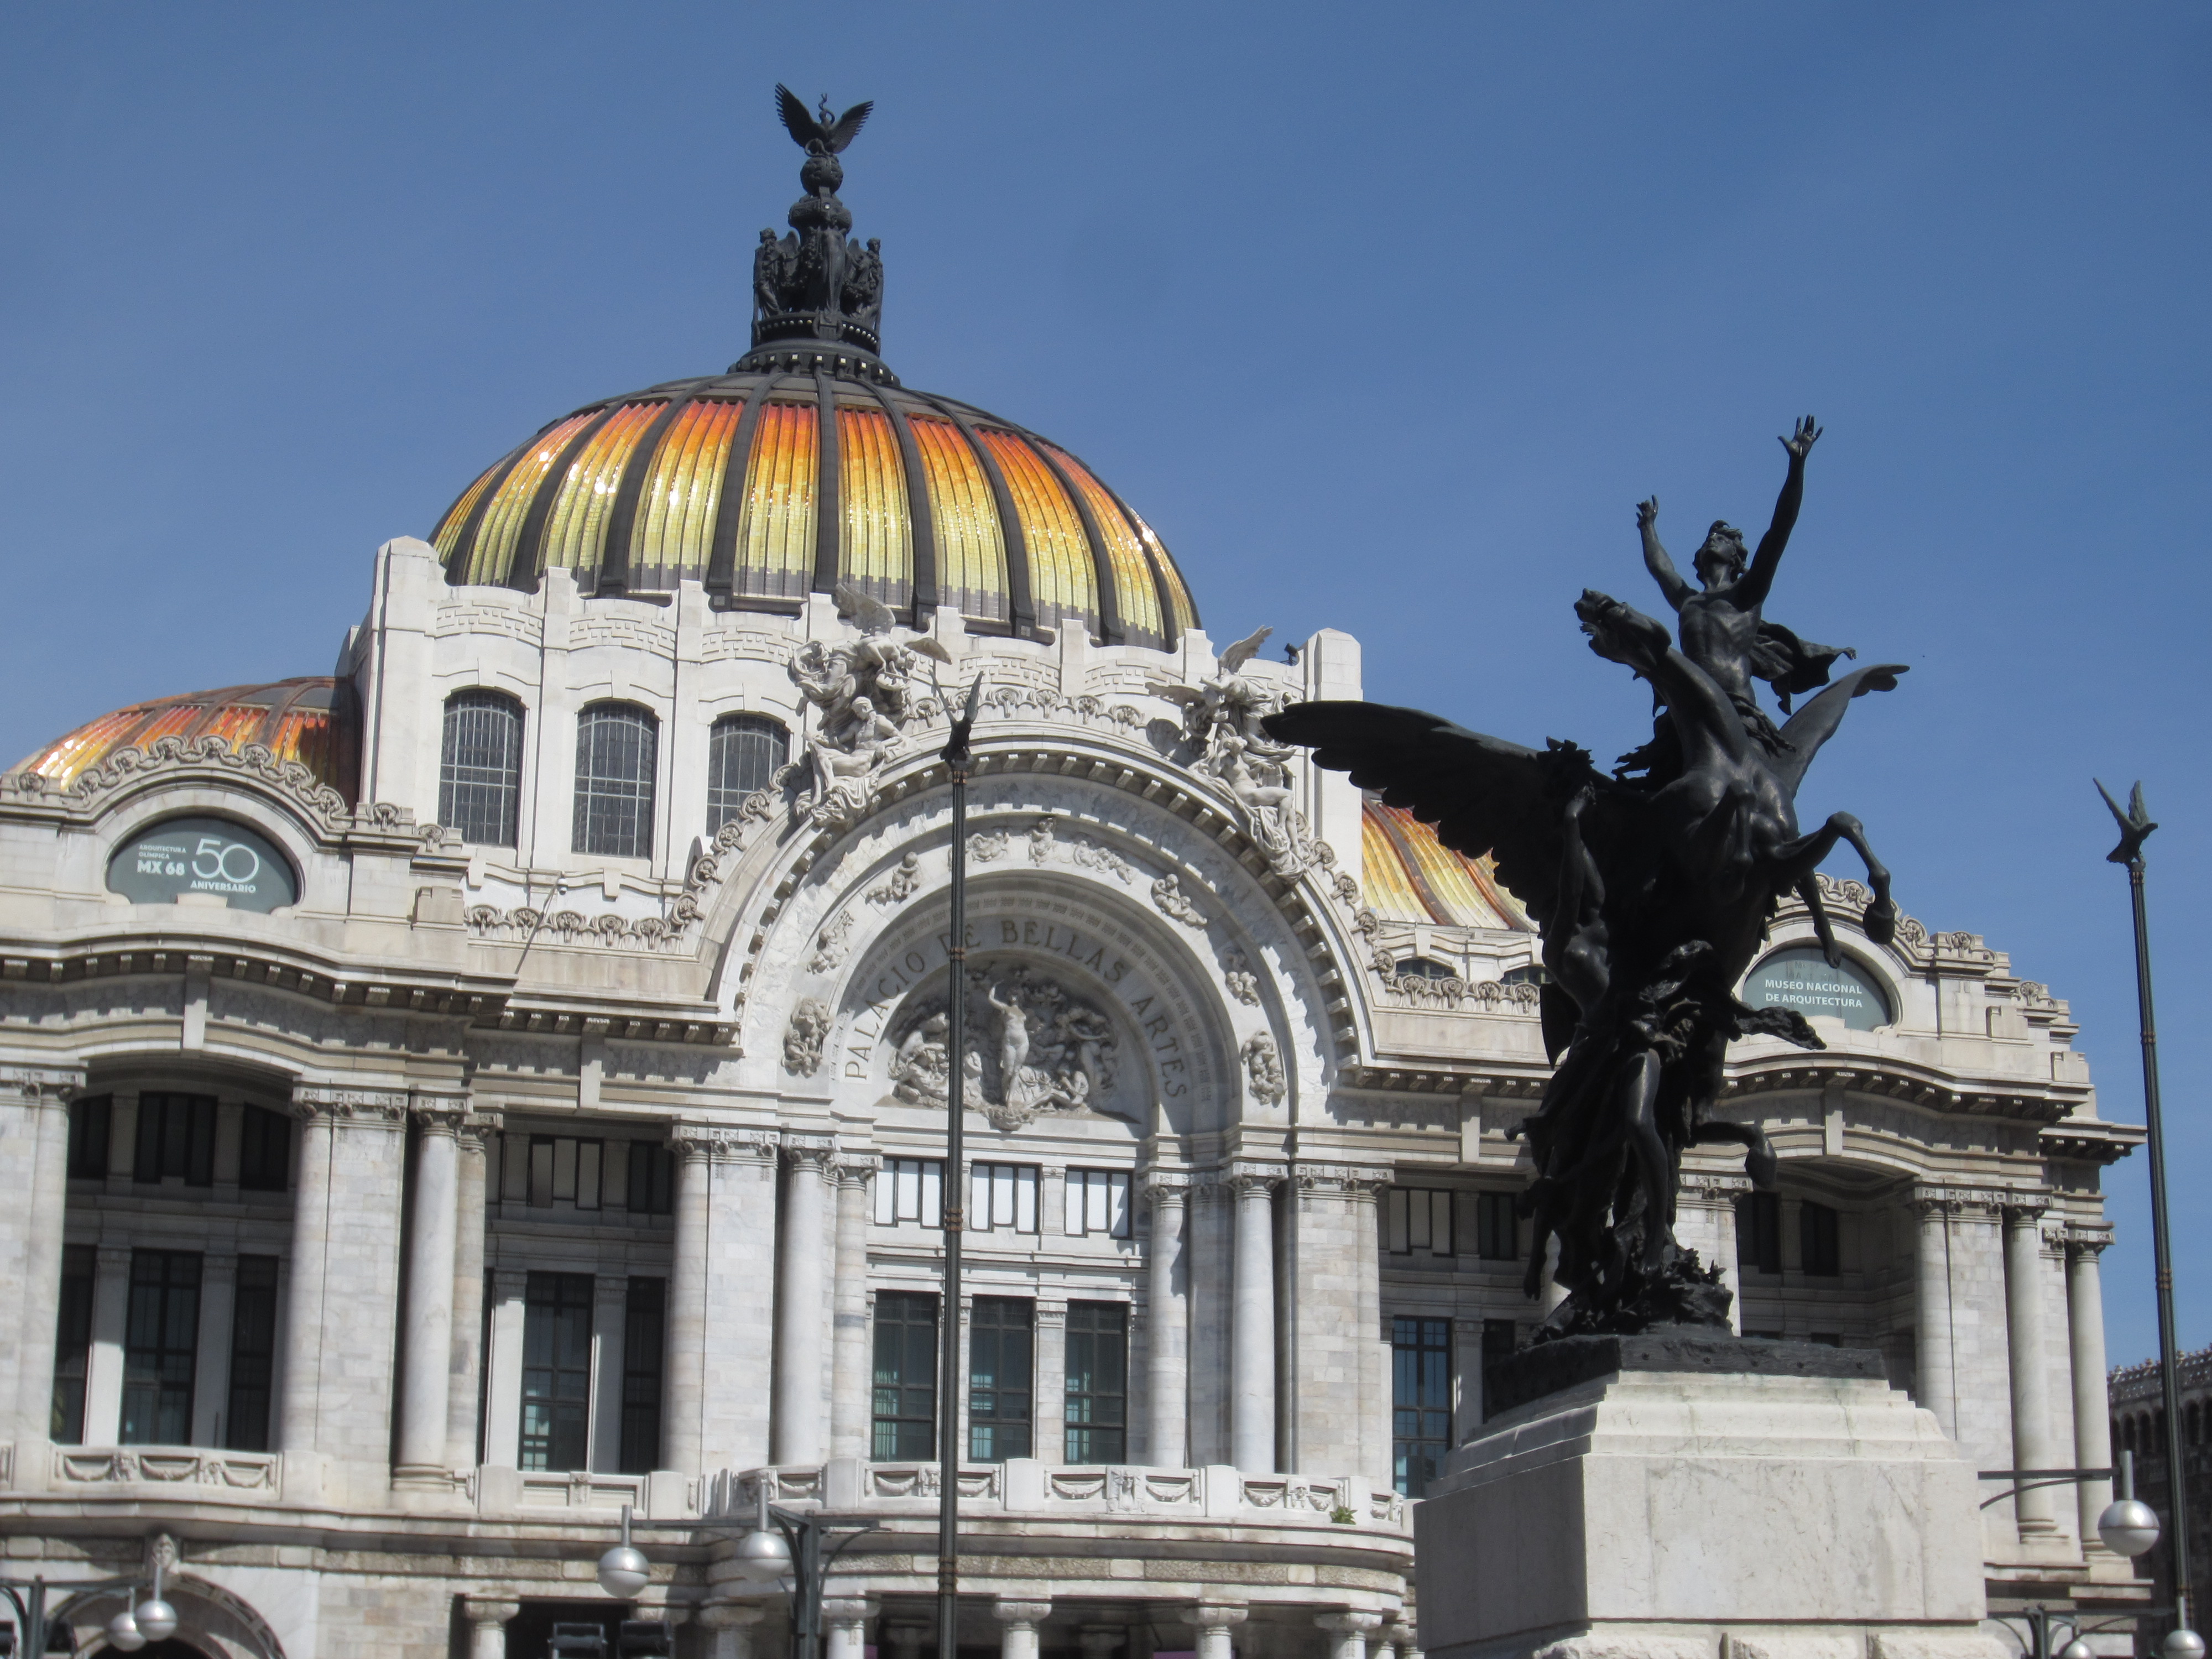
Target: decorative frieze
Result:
[366, 1107]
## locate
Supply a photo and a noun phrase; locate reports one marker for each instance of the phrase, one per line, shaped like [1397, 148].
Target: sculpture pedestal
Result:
[1688, 1497]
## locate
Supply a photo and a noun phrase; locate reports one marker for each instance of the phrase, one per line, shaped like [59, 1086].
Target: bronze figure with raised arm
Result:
[1724, 630]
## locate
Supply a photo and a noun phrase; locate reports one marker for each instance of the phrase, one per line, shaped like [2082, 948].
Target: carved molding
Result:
[1242, 1178]
[723, 1145]
[42, 1085]
[1163, 1185]
[368, 1107]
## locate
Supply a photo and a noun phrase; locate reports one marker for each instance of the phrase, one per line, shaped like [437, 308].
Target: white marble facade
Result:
[729, 1038]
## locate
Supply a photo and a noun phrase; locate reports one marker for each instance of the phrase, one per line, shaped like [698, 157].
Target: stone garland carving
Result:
[831, 944]
[1034, 1050]
[572, 927]
[1263, 1068]
[1237, 973]
[868, 692]
[1489, 995]
[1221, 720]
[803, 1037]
[291, 778]
[1842, 894]
[900, 885]
[1175, 903]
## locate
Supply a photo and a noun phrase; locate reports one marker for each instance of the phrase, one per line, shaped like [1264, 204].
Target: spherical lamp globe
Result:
[762, 1556]
[2077, 1648]
[2129, 1527]
[2184, 1644]
[624, 1571]
[156, 1619]
[122, 1632]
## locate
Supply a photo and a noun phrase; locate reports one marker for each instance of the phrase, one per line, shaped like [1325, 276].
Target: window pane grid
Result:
[911, 1189]
[1098, 1202]
[1000, 1346]
[252, 1354]
[480, 768]
[160, 1344]
[616, 747]
[905, 1406]
[556, 1370]
[1420, 1400]
[743, 754]
[644, 1341]
[1098, 1401]
[1003, 1196]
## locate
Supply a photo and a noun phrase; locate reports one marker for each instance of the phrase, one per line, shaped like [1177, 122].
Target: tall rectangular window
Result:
[252, 1354]
[1420, 1400]
[161, 1346]
[905, 1376]
[88, 1122]
[1098, 1406]
[1098, 1202]
[543, 1171]
[480, 768]
[1417, 1221]
[911, 1189]
[1498, 1343]
[645, 1327]
[72, 1344]
[556, 1370]
[1758, 1232]
[1003, 1197]
[265, 1150]
[1819, 1240]
[652, 1178]
[1496, 1229]
[999, 1352]
[617, 748]
[743, 754]
[176, 1139]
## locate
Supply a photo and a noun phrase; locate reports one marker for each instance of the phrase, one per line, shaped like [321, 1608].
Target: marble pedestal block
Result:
[1653, 1507]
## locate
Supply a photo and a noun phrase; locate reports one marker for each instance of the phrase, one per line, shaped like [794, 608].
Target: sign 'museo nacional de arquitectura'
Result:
[446, 1101]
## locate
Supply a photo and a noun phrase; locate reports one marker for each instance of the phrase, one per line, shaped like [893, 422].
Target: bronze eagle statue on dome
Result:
[819, 134]
[1654, 895]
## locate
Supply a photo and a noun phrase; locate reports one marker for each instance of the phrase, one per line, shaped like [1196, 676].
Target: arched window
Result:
[1531, 972]
[480, 768]
[617, 746]
[744, 751]
[1424, 968]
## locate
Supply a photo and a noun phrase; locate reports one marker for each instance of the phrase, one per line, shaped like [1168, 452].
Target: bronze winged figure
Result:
[818, 134]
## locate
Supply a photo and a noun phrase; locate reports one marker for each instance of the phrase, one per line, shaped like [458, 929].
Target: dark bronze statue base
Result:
[1551, 1366]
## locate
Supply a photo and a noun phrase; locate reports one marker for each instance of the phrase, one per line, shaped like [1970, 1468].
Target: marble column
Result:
[1213, 1621]
[2085, 1329]
[609, 1313]
[304, 1282]
[211, 1365]
[111, 1318]
[1705, 1221]
[845, 1626]
[1372, 1345]
[502, 1403]
[1047, 1375]
[1347, 1632]
[426, 1345]
[487, 1626]
[1933, 1380]
[2033, 1507]
[1167, 1327]
[1405, 1639]
[730, 1626]
[1252, 1322]
[795, 1435]
[479, 1133]
[686, 1385]
[42, 1131]
[850, 1419]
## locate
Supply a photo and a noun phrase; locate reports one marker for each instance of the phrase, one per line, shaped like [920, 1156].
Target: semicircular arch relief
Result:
[1079, 1009]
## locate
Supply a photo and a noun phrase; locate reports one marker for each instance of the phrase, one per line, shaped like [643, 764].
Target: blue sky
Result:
[1384, 316]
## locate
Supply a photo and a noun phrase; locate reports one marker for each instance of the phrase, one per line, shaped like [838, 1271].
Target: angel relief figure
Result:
[1223, 716]
[865, 694]
[1653, 897]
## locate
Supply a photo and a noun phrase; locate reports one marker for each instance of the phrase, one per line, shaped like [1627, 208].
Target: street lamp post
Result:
[2136, 826]
[957, 758]
[152, 1620]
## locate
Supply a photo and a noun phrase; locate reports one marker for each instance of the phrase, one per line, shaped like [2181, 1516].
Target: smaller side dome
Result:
[1411, 876]
[308, 721]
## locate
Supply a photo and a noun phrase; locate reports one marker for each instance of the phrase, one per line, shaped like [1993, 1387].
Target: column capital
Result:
[1246, 1178]
[1711, 1189]
[1981, 1203]
[1345, 1621]
[848, 1609]
[438, 1113]
[730, 1615]
[1219, 1615]
[818, 1152]
[855, 1167]
[370, 1109]
[2024, 1209]
[489, 1610]
[719, 1145]
[42, 1085]
[1163, 1185]
[1351, 1180]
[2086, 1239]
[1008, 1611]
[476, 1128]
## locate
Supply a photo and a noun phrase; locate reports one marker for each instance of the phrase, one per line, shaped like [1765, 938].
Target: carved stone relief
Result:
[1263, 1068]
[1237, 971]
[803, 1037]
[1175, 903]
[901, 884]
[868, 692]
[831, 944]
[1033, 1048]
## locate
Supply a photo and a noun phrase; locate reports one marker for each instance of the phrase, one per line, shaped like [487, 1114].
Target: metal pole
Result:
[2135, 828]
[954, 1191]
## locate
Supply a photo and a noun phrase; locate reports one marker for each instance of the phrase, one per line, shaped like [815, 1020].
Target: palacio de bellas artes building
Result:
[503, 1080]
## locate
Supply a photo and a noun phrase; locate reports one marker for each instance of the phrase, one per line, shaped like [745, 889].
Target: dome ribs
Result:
[615, 552]
[523, 569]
[919, 513]
[828, 484]
[1020, 607]
[729, 505]
[488, 489]
[1110, 628]
[1174, 601]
